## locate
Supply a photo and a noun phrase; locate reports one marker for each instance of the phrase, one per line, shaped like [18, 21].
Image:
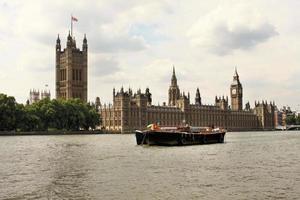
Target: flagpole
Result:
[71, 26]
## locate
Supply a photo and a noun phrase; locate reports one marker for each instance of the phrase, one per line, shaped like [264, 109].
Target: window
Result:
[63, 74]
[80, 74]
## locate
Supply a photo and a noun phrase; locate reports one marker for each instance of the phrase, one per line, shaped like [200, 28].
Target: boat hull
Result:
[177, 138]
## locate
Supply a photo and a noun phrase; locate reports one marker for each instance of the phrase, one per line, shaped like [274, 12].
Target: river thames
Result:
[249, 165]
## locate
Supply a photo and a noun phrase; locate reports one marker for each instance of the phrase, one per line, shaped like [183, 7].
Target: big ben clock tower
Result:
[236, 92]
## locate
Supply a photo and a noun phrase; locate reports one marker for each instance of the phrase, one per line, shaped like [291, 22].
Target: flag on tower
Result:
[74, 19]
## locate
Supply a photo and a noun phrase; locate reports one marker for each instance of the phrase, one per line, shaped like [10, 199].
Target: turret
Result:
[58, 46]
[139, 92]
[69, 41]
[98, 104]
[247, 106]
[221, 102]
[114, 94]
[148, 95]
[73, 43]
[198, 98]
[84, 44]
[45, 94]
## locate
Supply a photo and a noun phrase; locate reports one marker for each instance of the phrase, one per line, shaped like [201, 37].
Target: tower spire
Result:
[174, 79]
[173, 70]
[198, 97]
[58, 47]
[235, 72]
[84, 44]
[174, 91]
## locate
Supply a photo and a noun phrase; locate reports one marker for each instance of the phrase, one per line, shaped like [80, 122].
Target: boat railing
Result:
[190, 129]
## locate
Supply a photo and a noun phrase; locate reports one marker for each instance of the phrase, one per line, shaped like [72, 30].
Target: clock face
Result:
[233, 91]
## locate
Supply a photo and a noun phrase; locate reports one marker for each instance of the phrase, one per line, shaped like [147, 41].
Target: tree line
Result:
[46, 114]
[292, 120]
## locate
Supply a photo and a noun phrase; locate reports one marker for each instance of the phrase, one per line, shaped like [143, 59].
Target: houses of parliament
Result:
[130, 111]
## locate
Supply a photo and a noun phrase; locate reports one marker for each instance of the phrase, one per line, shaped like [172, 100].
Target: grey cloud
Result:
[46, 39]
[104, 66]
[257, 83]
[46, 68]
[120, 43]
[97, 44]
[293, 81]
[242, 37]
[91, 18]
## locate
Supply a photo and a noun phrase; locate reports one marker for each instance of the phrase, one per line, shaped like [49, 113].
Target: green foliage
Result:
[8, 113]
[47, 114]
[298, 120]
[292, 120]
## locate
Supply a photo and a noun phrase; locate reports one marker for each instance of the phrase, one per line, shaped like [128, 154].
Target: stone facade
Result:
[45, 94]
[71, 70]
[36, 95]
[130, 111]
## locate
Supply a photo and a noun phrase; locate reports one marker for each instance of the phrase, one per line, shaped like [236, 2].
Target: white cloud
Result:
[103, 65]
[136, 42]
[230, 27]
[117, 43]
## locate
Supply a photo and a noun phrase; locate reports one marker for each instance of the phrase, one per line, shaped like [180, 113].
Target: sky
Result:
[135, 43]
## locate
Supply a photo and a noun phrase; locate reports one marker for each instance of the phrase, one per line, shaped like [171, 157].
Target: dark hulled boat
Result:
[180, 136]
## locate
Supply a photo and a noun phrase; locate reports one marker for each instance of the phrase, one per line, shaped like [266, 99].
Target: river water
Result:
[249, 165]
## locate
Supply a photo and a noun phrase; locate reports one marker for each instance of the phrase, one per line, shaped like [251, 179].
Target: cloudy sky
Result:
[136, 42]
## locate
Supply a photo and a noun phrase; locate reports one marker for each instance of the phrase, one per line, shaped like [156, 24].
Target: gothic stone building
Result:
[71, 70]
[36, 95]
[135, 111]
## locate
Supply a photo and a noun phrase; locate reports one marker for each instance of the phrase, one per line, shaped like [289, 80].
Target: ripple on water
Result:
[249, 165]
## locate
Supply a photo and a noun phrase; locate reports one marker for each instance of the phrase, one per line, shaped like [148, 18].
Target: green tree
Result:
[8, 111]
[298, 120]
[92, 117]
[60, 114]
[46, 112]
[32, 118]
[290, 120]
